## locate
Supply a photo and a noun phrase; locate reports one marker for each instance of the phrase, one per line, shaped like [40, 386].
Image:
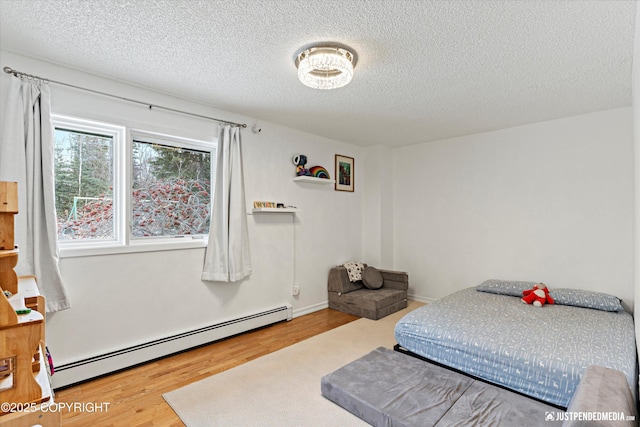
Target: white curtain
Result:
[26, 156]
[227, 258]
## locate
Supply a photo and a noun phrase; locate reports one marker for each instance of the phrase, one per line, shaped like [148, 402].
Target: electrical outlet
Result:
[296, 290]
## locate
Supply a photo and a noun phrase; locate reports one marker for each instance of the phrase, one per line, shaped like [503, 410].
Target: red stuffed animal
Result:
[537, 296]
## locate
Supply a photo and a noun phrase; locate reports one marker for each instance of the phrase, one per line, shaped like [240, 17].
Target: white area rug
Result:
[283, 388]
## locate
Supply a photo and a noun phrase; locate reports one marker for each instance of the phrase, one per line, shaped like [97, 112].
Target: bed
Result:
[541, 352]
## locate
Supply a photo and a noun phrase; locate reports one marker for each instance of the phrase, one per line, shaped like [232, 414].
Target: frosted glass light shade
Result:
[325, 67]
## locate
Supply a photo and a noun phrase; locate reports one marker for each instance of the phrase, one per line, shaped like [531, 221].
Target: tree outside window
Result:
[84, 185]
[171, 192]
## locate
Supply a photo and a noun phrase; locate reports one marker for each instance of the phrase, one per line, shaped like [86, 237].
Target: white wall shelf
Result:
[314, 180]
[275, 210]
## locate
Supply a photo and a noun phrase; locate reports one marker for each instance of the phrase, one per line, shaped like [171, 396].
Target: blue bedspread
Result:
[539, 351]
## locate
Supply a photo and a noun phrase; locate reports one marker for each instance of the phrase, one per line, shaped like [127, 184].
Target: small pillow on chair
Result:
[354, 270]
[372, 278]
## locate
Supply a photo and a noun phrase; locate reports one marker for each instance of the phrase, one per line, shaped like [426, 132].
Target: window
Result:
[85, 178]
[131, 189]
[171, 191]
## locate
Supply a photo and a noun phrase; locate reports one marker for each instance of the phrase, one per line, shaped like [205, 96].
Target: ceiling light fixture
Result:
[324, 67]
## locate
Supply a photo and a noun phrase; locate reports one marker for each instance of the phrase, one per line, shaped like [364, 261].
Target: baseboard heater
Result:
[96, 366]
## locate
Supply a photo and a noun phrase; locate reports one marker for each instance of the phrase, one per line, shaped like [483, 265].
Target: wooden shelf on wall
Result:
[314, 180]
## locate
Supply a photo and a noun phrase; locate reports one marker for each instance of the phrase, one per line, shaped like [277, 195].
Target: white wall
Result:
[636, 144]
[377, 210]
[549, 202]
[126, 299]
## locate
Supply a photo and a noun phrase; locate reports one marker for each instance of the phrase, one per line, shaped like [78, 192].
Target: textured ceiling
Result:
[426, 70]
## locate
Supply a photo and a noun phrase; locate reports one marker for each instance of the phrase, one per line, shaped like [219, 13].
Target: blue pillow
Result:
[587, 299]
[505, 287]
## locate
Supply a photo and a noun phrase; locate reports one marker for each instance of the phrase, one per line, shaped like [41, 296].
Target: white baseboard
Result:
[421, 298]
[83, 370]
[316, 307]
[310, 309]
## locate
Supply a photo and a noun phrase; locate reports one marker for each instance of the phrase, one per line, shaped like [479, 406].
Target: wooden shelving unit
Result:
[25, 389]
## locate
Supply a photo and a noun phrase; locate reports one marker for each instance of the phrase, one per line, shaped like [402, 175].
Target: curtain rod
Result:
[16, 73]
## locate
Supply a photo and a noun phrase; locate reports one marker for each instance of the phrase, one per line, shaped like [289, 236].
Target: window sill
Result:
[114, 249]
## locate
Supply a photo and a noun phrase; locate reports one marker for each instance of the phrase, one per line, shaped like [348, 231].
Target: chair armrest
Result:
[395, 279]
[602, 390]
[339, 281]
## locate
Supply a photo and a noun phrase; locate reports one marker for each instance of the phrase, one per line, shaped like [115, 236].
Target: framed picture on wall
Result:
[344, 173]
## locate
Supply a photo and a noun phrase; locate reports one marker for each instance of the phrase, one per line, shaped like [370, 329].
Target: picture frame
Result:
[344, 173]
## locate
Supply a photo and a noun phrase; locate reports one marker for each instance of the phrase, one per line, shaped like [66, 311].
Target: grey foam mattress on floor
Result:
[391, 389]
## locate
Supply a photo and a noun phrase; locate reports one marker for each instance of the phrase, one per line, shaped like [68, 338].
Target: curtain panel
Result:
[228, 258]
[26, 156]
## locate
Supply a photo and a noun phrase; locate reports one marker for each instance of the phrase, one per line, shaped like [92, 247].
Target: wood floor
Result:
[135, 398]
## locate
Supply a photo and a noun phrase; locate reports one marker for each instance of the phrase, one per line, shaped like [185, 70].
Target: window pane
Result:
[83, 170]
[171, 194]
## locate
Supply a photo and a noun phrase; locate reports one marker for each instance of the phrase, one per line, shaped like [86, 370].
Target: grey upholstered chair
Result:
[355, 298]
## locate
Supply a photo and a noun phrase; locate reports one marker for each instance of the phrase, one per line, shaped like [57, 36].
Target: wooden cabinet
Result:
[26, 397]
[8, 251]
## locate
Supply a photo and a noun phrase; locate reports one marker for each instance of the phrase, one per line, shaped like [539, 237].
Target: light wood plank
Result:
[9, 197]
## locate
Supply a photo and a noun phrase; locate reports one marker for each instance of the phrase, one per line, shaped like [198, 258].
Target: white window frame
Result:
[123, 241]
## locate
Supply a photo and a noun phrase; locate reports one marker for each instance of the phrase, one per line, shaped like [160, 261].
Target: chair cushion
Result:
[372, 278]
[373, 300]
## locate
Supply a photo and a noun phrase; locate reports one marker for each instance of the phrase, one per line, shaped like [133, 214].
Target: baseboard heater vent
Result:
[92, 367]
